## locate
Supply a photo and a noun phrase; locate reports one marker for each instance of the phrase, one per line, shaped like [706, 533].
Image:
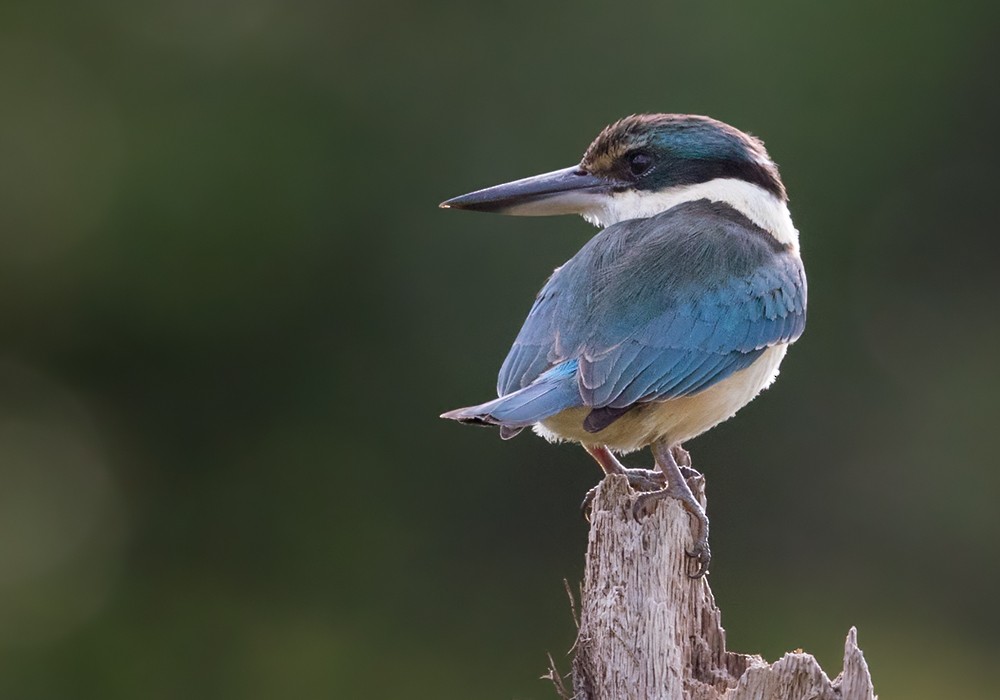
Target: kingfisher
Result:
[674, 316]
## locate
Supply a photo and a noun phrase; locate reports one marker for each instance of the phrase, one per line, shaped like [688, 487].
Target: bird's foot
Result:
[645, 479]
[688, 473]
[645, 503]
[668, 458]
[638, 479]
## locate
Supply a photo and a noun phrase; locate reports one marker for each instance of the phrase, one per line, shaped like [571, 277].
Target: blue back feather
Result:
[652, 309]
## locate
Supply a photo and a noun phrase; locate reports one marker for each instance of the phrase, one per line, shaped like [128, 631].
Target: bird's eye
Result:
[639, 163]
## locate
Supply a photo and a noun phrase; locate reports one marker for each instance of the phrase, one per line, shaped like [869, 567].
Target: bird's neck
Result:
[754, 202]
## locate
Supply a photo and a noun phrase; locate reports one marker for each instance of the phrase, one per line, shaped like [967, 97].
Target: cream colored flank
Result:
[677, 419]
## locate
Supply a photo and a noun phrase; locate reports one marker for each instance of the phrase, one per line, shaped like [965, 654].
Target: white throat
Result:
[753, 201]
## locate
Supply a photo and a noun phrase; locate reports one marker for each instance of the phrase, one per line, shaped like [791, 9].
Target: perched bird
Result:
[669, 320]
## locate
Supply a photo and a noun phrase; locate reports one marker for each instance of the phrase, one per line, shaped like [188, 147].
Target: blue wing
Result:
[653, 309]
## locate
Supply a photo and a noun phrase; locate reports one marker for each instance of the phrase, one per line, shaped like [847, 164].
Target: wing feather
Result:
[657, 308]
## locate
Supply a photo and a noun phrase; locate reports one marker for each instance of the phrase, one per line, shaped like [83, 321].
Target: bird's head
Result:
[637, 167]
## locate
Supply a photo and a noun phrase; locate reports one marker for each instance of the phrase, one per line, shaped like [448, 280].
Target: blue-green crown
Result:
[655, 151]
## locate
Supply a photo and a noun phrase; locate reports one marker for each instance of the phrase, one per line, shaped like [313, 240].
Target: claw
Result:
[588, 503]
[681, 456]
[702, 556]
[640, 503]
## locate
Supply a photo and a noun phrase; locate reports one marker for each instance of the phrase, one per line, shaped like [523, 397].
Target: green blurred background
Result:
[230, 313]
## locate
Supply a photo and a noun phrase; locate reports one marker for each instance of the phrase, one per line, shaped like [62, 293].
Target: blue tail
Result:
[554, 391]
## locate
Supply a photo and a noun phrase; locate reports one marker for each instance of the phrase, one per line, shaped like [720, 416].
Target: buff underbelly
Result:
[676, 420]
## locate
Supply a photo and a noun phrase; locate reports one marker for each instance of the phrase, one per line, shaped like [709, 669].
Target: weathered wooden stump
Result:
[649, 632]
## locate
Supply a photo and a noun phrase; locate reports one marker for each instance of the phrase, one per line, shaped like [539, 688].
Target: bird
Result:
[671, 318]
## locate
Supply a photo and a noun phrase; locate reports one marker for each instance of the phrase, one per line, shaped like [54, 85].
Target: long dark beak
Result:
[566, 191]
